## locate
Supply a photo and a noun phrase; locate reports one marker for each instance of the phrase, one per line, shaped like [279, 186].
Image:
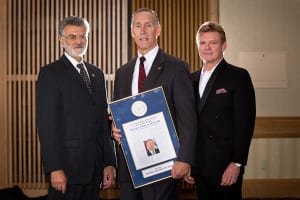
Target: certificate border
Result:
[158, 104]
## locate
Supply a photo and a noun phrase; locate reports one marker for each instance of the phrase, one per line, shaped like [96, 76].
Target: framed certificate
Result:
[149, 139]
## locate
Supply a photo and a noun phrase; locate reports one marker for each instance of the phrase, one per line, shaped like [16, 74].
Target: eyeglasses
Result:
[74, 37]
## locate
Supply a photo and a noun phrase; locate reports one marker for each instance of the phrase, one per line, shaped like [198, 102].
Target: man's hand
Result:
[108, 177]
[230, 175]
[59, 180]
[180, 169]
[188, 178]
[115, 131]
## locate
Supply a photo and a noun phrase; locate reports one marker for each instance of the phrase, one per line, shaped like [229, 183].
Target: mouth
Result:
[79, 47]
[143, 39]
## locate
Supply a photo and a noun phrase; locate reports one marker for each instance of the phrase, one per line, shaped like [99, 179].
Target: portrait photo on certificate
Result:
[149, 140]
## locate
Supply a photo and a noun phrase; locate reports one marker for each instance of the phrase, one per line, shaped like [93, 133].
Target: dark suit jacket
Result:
[156, 151]
[73, 124]
[173, 75]
[226, 117]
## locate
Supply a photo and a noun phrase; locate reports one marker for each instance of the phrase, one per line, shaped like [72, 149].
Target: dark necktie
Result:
[142, 73]
[85, 77]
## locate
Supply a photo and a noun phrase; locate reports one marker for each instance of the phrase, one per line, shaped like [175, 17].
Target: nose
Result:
[207, 46]
[78, 39]
[143, 28]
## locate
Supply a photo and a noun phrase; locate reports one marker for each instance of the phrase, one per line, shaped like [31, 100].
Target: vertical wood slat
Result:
[8, 101]
[28, 112]
[95, 37]
[29, 97]
[40, 179]
[3, 62]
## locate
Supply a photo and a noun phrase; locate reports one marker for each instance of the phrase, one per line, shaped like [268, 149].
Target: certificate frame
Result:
[145, 122]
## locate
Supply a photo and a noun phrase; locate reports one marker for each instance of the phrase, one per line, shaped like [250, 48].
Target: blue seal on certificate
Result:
[149, 140]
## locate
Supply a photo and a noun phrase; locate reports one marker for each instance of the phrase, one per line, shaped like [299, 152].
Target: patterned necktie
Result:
[85, 77]
[142, 73]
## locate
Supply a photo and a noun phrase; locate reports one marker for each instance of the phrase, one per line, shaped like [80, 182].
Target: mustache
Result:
[79, 46]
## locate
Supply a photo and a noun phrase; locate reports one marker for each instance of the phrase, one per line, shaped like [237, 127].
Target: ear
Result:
[61, 40]
[158, 30]
[132, 34]
[224, 46]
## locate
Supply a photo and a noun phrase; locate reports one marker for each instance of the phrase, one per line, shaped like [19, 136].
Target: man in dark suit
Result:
[151, 147]
[173, 75]
[226, 116]
[72, 120]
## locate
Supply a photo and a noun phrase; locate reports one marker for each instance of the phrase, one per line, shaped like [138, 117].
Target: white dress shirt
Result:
[204, 78]
[75, 63]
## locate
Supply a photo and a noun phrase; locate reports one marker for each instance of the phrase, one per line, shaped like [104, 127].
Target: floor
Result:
[15, 193]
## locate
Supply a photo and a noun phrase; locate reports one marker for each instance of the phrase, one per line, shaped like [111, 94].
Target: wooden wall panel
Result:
[31, 41]
[272, 188]
[277, 127]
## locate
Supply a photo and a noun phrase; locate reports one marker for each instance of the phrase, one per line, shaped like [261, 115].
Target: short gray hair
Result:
[73, 21]
[153, 13]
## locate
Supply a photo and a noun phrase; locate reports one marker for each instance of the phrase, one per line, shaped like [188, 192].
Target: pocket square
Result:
[221, 91]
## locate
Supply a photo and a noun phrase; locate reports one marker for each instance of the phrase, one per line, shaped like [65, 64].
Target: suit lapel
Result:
[155, 71]
[128, 76]
[209, 85]
[196, 79]
[73, 73]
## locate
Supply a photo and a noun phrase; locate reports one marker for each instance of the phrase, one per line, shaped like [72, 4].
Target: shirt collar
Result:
[212, 70]
[72, 60]
[150, 56]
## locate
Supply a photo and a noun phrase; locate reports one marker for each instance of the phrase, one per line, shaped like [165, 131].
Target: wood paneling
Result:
[277, 127]
[271, 188]
[29, 31]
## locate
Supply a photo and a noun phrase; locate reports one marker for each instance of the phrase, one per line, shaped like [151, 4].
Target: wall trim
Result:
[277, 127]
[271, 188]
